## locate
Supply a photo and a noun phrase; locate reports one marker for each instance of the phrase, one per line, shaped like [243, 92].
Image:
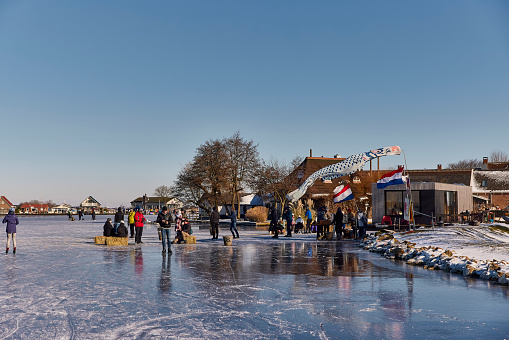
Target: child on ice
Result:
[12, 221]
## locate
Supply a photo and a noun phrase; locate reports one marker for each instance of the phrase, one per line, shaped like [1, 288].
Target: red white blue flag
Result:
[342, 193]
[391, 178]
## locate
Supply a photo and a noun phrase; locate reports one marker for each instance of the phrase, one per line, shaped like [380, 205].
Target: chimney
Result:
[484, 163]
[439, 166]
[310, 152]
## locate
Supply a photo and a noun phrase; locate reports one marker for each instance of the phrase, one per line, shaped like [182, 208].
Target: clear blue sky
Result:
[111, 98]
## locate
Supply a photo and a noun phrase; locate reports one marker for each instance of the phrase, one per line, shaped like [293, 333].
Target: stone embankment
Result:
[435, 258]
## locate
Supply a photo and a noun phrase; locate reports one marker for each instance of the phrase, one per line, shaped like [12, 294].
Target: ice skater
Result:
[214, 223]
[288, 216]
[233, 224]
[139, 221]
[12, 221]
[164, 219]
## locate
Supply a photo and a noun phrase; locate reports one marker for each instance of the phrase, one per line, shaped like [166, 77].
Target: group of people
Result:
[182, 228]
[81, 214]
[214, 223]
[358, 228]
[339, 220]
[136, 221]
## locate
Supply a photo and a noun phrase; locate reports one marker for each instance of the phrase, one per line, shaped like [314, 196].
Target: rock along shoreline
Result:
[436, 258]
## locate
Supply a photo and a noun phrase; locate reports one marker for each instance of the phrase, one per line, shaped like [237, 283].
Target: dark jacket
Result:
[107, 229]
[12, 221]
[122, 230]
[119, 216]
[287, 214]
[274, 216]
[233, 216]
[214, 217]
[164, 220]
[338, 218]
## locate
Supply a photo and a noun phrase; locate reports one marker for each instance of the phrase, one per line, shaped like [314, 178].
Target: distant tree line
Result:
[495, 156]
[33, 202]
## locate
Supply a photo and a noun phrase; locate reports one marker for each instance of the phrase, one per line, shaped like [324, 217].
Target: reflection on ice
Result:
[67, 287]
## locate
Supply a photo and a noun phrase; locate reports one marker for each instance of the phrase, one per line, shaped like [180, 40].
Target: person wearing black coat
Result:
[119, 217]
[165, 220]
[108, 228]
[214, 223]
[122, 230]
[338, 223]
[274, 219]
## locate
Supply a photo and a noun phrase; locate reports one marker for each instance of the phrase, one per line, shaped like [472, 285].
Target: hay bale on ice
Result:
[100, 240]
[189, 239]
[116, 241]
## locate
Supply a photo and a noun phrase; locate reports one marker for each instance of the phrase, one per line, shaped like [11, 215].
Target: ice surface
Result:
[60, 285]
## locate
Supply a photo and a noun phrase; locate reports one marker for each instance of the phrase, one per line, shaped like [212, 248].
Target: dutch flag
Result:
[342, 193]
[391, 178]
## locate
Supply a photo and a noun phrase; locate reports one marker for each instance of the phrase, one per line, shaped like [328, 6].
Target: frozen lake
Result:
[60, 285]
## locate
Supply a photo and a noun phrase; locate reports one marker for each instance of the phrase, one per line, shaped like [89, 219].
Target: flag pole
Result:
[409, 194]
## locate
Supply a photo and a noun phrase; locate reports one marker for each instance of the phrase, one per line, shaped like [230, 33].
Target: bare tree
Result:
[274, 178]
[218, 173]
[465, 164]
[163, 191]
[498, 156]
[204, 180]
[242, 163]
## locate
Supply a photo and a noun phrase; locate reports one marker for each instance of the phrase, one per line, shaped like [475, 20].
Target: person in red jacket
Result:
[139, 219]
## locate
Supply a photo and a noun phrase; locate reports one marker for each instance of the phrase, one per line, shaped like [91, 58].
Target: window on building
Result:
[451, 203]
[484, 183]
[356, 179]
[394, 203]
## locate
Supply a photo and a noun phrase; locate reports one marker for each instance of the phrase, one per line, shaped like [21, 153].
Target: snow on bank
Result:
[475, 251]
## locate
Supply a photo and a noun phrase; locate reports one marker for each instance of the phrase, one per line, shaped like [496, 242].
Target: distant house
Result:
[156, 203]
[5, 205]
[60, 209]
[308, 167]
[246, 202]
[490, 183]
[90, 203]
[34, 208]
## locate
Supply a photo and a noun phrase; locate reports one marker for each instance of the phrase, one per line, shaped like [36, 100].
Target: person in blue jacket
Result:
[309, 219]
[288, 216]
[233, 225]
[12, 221]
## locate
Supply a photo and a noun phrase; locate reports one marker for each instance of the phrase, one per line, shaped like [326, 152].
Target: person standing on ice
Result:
[214, 223]
[93, 214]
[233, 224]
[12, 221]
[164, 219]
[288, 216]
[139, 221]
[309, 219]
[274, 219]
[130, 220]
[338, 223]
